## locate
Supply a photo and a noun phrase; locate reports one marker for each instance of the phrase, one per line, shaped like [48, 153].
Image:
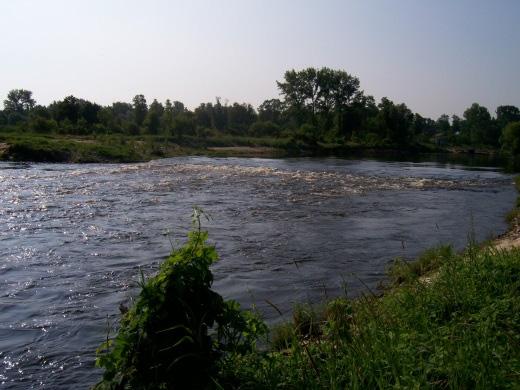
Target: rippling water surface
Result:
[73, 237]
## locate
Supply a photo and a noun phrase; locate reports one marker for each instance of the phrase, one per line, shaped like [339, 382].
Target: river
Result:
[73, 239]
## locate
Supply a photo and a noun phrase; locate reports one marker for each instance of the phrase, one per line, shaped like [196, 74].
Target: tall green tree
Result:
[183, 124]
[510, 139]
[219, 115]
[507, 114]
[178, 108]
[123, 112]
[353, 119]
[395, 122]
[66, 109]
[117, 118]
[204, 115]
[271, 111]
[240, 117]
[312, 95]
[421, 126]
[443, 125]
[456, 124]
[140, 109]
[19, 101]
[89, 111]
[153, 117]
[479, 126]
[167, 117]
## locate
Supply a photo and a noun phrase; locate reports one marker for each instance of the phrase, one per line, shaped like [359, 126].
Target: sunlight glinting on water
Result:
[72, 239]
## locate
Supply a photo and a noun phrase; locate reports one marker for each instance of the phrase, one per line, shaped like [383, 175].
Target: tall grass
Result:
[460, 330]
[513, 217]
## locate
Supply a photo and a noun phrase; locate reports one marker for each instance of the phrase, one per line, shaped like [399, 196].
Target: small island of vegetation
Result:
[321, 112]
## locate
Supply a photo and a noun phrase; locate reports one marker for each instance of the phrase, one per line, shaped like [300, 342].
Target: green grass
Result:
[54, 148]
[120, 148]
[513, 216]
[460, 330]
[403, 271]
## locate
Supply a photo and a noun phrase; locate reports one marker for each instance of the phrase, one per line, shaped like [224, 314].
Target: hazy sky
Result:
[437, 56]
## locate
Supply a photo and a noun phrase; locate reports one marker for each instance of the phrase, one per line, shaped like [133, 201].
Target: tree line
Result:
[315, 106]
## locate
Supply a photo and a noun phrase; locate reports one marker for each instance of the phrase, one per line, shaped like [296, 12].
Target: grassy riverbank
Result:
[33, 147]
[446, 320]
[458, 329]
[124, 148]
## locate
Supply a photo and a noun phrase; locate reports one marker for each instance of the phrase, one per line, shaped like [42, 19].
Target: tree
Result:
[240, 117]
[456, 124]
[140, 109]
[271, 110]
[479, 126]
[19, 101]
[510, 139]
[337, 89]
[153, 117]
[395, 121]
[203, 115]
[178, 108]
[89, 111]
[167, 117]
[66, 109]
[208, 115]
[299, 90]
[40, 111]
[352, 119]
[419, 126]
[123, 115]
[183, 124]
[219, 115]
[507, 114]
[311, 94]
[443, 125]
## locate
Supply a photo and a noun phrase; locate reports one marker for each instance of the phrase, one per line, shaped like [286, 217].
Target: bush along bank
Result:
[178, 328]
[459, 328]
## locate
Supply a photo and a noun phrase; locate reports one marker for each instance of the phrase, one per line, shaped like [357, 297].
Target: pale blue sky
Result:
[437, 56]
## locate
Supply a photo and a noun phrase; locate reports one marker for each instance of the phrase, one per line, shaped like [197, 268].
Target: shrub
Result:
[42, 125]
[268, 128]
[510, 139]
[178, 327]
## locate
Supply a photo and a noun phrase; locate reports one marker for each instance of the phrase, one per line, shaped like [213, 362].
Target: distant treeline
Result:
[316, 106]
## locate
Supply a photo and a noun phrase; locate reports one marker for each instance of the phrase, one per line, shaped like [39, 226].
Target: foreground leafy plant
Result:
[178, 327]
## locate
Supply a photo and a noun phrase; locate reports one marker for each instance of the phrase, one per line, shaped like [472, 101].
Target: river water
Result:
[73, 239]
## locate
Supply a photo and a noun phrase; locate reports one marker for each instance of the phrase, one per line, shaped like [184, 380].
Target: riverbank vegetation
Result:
[321, 111]
[448, 320]
[458, 329]
[178, 328]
